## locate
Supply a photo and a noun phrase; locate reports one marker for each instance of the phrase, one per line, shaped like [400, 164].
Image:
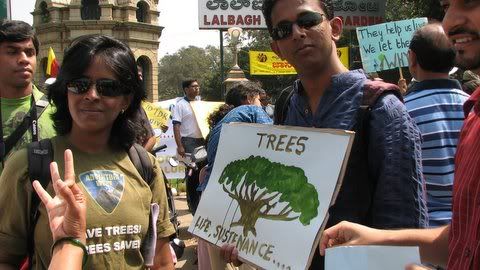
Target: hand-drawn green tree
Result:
[260, 186]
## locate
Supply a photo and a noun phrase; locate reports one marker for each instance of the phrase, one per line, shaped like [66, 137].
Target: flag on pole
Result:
[52, 64]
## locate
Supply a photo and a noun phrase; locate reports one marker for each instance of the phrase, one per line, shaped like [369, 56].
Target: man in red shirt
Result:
[455, 246]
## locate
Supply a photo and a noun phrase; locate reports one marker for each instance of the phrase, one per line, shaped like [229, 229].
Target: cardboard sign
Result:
[356, 13]
[385, 46]
[370, 257]
[270, 190]
[202, 109]
[157, 116]
[168, 139]
[223, 14]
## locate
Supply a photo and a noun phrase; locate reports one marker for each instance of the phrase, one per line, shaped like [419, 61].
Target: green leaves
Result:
[271, 178]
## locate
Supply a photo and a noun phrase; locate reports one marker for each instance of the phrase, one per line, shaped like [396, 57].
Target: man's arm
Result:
[163, 257]
[433, 243]
[394, 158]
[150, 143]
[178, 139]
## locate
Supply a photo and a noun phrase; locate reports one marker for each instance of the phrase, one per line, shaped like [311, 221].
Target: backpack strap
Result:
[281, 105]
[139, 157]
[372, 92]
[358, 187]
[40, 106]
[40, 155]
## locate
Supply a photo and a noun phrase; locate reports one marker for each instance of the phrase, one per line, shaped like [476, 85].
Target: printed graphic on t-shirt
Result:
[105, 187]
[11, 124]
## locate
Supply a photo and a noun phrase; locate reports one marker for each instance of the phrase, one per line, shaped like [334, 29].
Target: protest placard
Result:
[385, 46]
[270, 190]
[168, 139]
[202, 109]
[157, 116]
[370, 257]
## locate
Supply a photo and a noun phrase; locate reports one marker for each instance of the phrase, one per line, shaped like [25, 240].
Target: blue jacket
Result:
[394, 153]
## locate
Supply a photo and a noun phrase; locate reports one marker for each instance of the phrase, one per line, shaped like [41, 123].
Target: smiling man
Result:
[455, 246]
[18, 51]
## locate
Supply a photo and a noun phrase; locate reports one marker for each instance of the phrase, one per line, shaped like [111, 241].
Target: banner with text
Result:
[268, 63]
[223, 14]
[342, 53]
[385, 46]
[157, 116]
[356, 13]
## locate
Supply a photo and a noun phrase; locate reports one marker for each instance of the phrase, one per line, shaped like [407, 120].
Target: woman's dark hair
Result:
[121, 61]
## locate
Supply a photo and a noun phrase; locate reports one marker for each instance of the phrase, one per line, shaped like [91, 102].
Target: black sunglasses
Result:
[304, 20]
[104, 87]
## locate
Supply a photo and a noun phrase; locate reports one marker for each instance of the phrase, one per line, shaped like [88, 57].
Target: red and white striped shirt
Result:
[464, 238]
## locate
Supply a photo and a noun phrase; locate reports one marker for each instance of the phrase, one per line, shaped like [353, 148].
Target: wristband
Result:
[76, 242]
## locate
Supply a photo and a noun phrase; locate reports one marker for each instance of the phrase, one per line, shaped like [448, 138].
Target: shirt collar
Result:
[435, 84]
[472, 102]
[338, 81]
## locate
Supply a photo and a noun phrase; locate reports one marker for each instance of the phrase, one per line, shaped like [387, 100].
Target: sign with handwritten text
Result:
[270, 190]
[385, 46]
[223, 14]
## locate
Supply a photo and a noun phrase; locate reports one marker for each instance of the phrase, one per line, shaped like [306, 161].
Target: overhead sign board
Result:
[355, 13]
[223, 14]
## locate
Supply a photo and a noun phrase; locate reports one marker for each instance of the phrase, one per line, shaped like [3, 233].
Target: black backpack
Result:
[40, 155]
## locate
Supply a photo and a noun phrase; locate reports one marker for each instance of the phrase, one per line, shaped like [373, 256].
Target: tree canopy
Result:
[256, 183]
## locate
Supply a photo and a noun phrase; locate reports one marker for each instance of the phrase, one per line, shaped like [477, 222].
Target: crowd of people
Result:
[414, 163]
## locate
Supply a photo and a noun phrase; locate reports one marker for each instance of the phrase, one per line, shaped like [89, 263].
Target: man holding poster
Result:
[383, 184]
[456, 245]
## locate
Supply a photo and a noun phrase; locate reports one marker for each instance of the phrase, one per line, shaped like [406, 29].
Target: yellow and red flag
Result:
[52, 64]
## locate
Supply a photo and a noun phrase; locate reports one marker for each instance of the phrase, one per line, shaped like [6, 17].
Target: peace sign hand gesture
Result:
[67, 210]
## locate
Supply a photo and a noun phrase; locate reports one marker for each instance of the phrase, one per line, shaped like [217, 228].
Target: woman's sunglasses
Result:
[304, 20]
[104, 87]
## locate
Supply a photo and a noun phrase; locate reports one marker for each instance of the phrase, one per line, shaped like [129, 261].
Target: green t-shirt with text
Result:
[14, 110]
[118, 207]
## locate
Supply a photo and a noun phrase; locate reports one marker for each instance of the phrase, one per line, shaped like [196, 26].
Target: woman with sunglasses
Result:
[97, 93]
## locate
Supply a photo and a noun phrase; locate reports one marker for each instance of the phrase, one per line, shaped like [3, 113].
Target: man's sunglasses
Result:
[304, 20]
[104, 87]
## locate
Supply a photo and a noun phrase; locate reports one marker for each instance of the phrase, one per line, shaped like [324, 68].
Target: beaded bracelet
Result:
[76, 242]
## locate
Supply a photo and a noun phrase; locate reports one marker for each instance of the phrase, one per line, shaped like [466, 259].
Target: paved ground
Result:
[188, 260]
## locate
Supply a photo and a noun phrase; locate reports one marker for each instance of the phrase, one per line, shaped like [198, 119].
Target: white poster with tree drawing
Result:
[270, 190]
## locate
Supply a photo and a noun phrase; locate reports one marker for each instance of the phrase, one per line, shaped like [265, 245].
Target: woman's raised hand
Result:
[67, 210]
